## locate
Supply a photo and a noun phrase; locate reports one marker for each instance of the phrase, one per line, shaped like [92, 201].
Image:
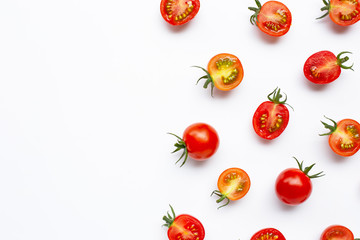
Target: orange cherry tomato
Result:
[342, 12]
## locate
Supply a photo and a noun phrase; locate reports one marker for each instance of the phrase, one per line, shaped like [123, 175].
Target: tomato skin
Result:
[186, 226]
[219, 75]
[272, 114]
[322, 68]
[202, 141]
[337, 232]
[171, 10]
[339, 8]
[342, 134]
[269, 234]
[234, 177]
[293, 186]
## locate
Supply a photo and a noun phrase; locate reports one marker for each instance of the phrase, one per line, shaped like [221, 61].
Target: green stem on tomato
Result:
[306, 170]
[340, 60]
[325, 8]
[332, 128]
[209, 80]
[222, 197]
[180, 145]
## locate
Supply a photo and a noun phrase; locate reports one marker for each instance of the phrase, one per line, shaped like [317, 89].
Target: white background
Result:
[89, 89]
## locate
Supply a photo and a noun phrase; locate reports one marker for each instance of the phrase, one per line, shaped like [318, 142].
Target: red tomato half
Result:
[337, 232]
[273, 18]
[233, 184]
[344, 137]
[293, 185]
[224, 71]
[200, 141]
[268, 234]
[178, 12]
[342, 12]
[324, 67]
[271, 117]
[183, 227]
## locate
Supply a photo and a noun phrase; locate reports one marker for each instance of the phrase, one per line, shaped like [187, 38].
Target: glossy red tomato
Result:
[268, 234]
[344, 136]
[337, 232]
[273, 18]
[293, 185]
[183, 227]
[200, 141]
[178, 12]
[224, 71]
[233, 184]
[342, 12]
[271, 117]
[324, 67]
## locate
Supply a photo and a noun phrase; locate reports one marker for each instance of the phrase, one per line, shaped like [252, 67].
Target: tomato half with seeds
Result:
[200, 141]
[324, 67]
[268, 234]
[272, 18]
[342, 12]
[233, 184]
[224, 71]
[183, 227]
[271, 117]
[293, 185]
[337, 232]
[344, 136]
[178, 12]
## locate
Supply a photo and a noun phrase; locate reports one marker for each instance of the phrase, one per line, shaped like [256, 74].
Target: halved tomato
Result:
[233, 184]
[273, 18]
[337, 232]
[178, 12]
[324, 67]
[342, 12]
[344, 136]
[224, 71]
[268, 234]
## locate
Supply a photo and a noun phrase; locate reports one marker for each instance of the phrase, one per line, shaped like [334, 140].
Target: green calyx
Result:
[340, 61]
[306, 170]
[168, 218]
[332, 127]
[180, 145]
[208, 80]
[253, 18]
[275, 97]
[325, 8]
[221, 198]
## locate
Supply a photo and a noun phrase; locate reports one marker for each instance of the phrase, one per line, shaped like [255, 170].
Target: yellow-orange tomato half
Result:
[226, 71]
[234, 183]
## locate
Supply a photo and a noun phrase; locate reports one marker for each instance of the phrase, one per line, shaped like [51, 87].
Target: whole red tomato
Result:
[337, 232]
[293, 185]
[184, 227]
[200, 141]
[268, 234]
[271, 117]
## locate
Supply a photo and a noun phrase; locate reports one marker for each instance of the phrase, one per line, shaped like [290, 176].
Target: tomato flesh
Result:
[178, 12]
[322, 67]
[344, 12]
[337, 232]
[270, 120]
[234, 183]
[202, 141]
[186, 227]
[345, 140]
[274, 18]
[226, 71]
[268, 234]
[293, 186]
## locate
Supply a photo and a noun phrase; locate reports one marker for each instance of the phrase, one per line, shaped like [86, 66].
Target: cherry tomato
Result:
[337, 232]
[200, 141]
[224, 71]
[271, 117]
[178, 12]
[342, 12]
[293, 185]
[233, 184]
[183, 227]
[273, 18]
[268, 234]
[344, 136]
[324, 67]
